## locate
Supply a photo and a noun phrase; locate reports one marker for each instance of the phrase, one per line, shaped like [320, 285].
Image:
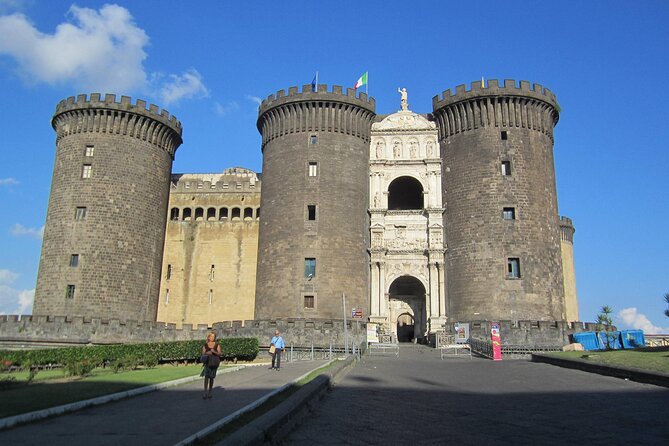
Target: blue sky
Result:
[210, 62]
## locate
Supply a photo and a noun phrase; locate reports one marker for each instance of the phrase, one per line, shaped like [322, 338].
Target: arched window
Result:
[223, 214]
[188, 212]
[174, 214]
[199, 214]
[248, 213]
[211, 214]
[405, 193]
[236, 213]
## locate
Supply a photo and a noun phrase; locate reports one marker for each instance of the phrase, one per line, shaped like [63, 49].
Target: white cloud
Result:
[223, 110]
[95, 50]
[8, 181]
[633, 319]
[185, 86]
[14, 301]
[11, 5]
[254, 99]
[7, 277]
[20, 230]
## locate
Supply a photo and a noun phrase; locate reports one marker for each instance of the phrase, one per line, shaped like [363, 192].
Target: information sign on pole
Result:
[496, 339]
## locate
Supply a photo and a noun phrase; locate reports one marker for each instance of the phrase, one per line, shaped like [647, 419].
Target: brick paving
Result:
[420, 399]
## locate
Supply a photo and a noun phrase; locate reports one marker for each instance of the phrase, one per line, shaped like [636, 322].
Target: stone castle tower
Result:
[314, 229]
[501, 220]
[105, 228]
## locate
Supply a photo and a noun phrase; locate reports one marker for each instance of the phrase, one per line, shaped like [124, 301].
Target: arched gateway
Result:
[407, 305]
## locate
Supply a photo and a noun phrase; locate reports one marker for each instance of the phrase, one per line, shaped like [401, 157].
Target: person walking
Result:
[278, 344]
[211, 351]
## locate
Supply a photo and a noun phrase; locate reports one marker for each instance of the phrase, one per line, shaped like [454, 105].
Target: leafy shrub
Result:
[80, 368]
[148, 354]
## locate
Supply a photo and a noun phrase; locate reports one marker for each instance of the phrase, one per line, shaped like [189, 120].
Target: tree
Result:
[666, 299]
[605, 324]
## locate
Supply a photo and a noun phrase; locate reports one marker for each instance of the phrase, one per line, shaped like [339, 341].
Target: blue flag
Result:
[314, 82]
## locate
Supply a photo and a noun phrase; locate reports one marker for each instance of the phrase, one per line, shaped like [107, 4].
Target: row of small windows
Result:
[213, 214]
[210, 296]
[170, 272]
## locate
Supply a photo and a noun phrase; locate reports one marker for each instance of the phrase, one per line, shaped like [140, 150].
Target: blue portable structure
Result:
[588, 339]
[632, 338]
[612, 338]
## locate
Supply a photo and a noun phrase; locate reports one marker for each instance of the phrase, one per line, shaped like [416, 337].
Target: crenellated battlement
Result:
[335, 94]
[109, 102]
[493, 88]
[567, 229]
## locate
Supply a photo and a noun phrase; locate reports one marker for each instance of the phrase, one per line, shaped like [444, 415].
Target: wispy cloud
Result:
[254, 99]
[20, 230]
[93, 50]
[222, 110]
[185, 86]
[12, 300]
[632, 318]
[8, 181]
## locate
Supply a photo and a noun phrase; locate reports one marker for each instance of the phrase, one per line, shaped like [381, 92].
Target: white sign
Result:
[372, 332]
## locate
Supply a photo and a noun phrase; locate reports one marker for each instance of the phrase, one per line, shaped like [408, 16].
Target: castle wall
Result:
[331, 130]
[479, 130]
[113, 160]
[568, 270]
[209, 266]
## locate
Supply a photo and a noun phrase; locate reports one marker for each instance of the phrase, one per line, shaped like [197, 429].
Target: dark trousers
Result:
[276, 357]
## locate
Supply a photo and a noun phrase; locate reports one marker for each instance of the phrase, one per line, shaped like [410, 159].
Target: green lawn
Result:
[656, 361]
[51, 388]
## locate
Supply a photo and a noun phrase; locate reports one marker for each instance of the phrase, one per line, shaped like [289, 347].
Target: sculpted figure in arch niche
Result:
[397, 149]
[430, 149]
[413, 150]
[380, 150]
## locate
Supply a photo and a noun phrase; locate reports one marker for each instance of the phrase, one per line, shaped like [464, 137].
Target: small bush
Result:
[80, 368]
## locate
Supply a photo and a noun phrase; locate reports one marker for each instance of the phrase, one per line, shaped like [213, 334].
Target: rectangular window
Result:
[88, 151]
[313, 139]
[80, 213]
[211, 296]
[167, 296]
[509, 213]
[513, 268]
[74, 260]
[87, 171]
[309, 267]
[504, 135]
[506, 168]
[169, 272]
[69, 292]
[311, 212]
[309, 302]
[211, 273]
[313, 169]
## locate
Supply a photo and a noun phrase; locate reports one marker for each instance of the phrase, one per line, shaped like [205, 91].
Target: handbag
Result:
[214, 361]
[272, 349]
[204, 359]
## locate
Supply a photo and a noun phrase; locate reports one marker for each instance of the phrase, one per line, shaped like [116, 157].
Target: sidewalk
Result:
[163, 417]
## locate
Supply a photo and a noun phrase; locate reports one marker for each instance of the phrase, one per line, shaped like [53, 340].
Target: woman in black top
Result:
[212, 349]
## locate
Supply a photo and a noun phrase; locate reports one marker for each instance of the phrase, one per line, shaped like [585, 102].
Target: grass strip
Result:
[656, 361]
[55, 392]
[268, 405]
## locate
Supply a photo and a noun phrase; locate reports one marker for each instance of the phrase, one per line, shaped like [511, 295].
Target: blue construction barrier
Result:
[612, 338]
[588, 339]
[632, 338]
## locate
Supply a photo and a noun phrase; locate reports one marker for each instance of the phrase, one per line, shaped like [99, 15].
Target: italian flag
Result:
[362, 81]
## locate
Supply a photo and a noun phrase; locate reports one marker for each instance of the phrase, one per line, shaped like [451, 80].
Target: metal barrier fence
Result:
[312, 353]
[656, 340]
[484, 348]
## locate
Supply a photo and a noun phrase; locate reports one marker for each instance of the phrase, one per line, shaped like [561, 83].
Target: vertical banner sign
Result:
[496, 341]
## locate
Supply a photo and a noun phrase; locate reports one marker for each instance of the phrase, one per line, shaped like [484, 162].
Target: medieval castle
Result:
[414, 220]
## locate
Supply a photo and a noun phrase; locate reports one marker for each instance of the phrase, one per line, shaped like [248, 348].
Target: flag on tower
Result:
[314, 83]
[362, 81]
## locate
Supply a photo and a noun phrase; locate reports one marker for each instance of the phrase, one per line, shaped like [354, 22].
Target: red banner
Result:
[496, 339]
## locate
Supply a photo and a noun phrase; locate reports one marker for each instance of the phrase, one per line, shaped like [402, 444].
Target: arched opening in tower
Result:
[408, 308]
[405, 193]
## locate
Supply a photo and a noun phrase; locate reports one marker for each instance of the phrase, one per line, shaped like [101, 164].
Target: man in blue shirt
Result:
[279, 345]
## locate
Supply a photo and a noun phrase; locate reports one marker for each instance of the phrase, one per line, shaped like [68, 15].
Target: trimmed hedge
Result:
[232, 348]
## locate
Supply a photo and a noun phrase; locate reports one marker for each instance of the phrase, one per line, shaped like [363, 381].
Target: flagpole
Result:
[367, 85]
[316, 80]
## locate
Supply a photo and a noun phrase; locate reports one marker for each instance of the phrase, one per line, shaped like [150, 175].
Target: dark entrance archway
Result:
[412, 324]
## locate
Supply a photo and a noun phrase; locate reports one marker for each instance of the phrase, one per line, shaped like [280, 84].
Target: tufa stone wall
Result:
[568, 270]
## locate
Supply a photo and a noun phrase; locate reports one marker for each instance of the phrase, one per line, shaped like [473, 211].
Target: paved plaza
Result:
[420, 399]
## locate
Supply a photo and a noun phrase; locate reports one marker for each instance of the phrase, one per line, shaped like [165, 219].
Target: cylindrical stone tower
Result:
[569, 272]
[501, 219]
[314, 226]
[105, 229]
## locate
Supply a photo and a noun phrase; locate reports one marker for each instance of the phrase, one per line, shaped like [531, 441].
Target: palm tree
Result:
[666, 299]
[605, 323]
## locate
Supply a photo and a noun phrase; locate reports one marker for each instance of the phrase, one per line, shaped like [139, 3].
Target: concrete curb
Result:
[279, 421]
[638, 375]
[9, 422]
